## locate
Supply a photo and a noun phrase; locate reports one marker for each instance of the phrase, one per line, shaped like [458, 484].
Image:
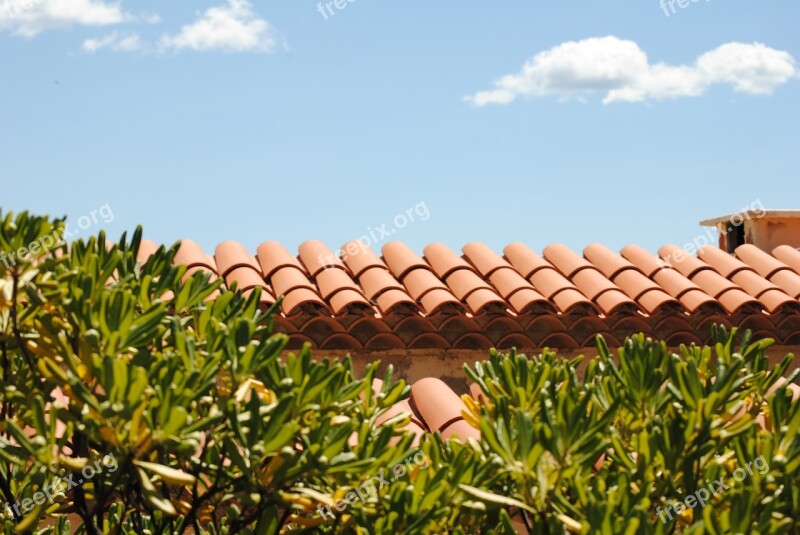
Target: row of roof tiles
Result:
[522, 298]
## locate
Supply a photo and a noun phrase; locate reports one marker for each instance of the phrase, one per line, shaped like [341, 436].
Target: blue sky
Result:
[259, 121]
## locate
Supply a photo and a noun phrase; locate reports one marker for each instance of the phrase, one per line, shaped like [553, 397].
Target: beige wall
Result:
[765, 233]
[770, 233]
[448, 364]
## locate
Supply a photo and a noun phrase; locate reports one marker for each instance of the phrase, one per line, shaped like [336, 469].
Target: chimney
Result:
[766, 229]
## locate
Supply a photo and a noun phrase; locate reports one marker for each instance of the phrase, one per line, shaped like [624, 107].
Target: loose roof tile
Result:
[441, 408]
[415, 424]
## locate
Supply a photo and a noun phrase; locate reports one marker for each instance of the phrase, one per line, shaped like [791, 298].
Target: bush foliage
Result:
[170, 409]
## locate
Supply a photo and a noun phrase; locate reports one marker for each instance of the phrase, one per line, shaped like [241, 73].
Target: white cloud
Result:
[114, 41]
[233, 28]
[754, 69]
[30, 17]
[621, 70]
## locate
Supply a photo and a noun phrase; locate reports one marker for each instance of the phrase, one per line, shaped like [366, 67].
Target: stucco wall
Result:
[448, 365]
[770, 233]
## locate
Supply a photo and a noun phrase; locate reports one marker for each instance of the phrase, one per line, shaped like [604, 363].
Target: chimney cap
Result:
[751, 214]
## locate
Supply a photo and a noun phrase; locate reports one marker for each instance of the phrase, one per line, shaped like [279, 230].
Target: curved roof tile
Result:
[359, 257]
[191, 255]
[519, 298]
[608, 262]
[789, 256]
[648, 263]
[725, 264]
[679, 259]
[396, 302]
[377, 280]
[444, 260]
[401, 259]
[484, 259]
[147, 248]
[272, 256]
[524, 259]
[566, 260]
[245, 279]
[230, 255]
[441, 408]
[764, 264]
[316, 256]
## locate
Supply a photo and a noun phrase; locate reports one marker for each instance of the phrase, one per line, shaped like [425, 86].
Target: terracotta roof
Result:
[481, 298]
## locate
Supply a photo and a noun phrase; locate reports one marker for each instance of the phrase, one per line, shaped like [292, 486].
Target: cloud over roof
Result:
[620, 70]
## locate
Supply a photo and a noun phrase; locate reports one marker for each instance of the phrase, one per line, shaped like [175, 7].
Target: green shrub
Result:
[135, 400]
[643, 430]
